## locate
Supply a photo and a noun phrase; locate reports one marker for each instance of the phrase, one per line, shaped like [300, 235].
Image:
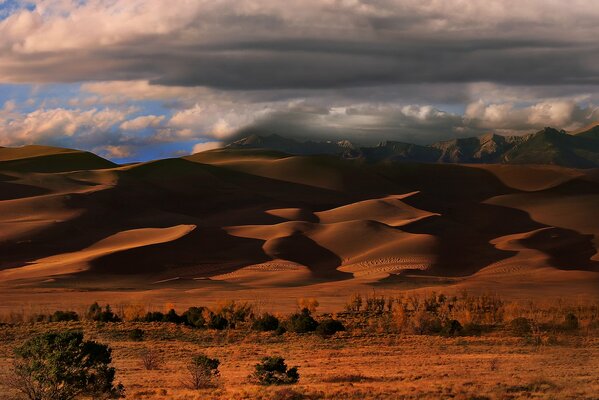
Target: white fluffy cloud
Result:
[143, 122]
[46, 125]
[564, 114]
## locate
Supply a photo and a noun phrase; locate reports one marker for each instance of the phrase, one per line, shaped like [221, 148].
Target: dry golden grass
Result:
[369, 361]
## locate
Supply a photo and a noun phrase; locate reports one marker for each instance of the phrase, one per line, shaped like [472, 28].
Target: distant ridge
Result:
[548, 146]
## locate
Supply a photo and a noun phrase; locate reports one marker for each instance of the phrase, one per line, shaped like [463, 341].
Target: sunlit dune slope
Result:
[242, 218]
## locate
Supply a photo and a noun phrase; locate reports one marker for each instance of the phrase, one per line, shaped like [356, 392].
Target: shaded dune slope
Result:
[267, 218]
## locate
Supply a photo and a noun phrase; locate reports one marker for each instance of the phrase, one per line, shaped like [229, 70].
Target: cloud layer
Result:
[150, 71]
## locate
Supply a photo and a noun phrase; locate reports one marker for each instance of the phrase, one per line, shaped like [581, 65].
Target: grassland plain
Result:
[374, 359]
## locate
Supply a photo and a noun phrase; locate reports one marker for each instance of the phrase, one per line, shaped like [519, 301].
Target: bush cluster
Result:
[274, 371]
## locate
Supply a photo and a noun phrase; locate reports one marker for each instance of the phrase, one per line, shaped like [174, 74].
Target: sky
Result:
[141, 79]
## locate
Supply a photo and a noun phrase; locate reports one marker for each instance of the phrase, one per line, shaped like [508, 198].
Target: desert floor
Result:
[354, 365]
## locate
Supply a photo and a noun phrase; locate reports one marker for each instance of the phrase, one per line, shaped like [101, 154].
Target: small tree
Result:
[274, 371]
[63, 316]
[203, 372]
[329, 327]
[95, 313]
[194, 316]
[136, 335]
[571, 322]
[301, 323]
[266, 322]
[62, 366]
[151, 359]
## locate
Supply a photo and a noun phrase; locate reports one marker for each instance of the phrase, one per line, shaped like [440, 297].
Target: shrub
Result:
[151, 359]
[301, 322]
[218, 322]
[267, 322]
[62, 366]
[521, 326]
[63, 316]
[274, 371]
[136, 335]
[425, 323]
[234, 312]
[280, 330]
[173, 317]
[571, 322]
[329, 327]
[95, 313]
[451, 328]
[203, 372]
[153, 316]
[194, 316]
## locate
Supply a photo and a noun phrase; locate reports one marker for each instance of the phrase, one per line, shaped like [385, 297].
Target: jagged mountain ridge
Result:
[547, 146]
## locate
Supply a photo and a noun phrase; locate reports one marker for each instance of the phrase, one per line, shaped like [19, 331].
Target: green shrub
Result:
[301, 322]
[194, 317]
[329, 327]
[571, 322]
[62, 366]
[95, 313]
[280, 330]
[203, 372]
[63, 316]
[521, 326]
[218, 322]
[266, 322]
[274, 371]
[153, 316]
[451, 328]
[136, 335]
[173, 317]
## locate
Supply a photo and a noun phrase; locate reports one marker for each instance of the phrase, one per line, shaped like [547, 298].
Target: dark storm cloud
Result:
[328, 44]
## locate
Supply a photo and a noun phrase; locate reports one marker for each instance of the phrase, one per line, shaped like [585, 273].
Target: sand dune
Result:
[531, 178]
[389, 210]
[69, 263]
[236, 220]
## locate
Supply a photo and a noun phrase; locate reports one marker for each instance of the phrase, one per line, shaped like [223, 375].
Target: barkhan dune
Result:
[242, 223]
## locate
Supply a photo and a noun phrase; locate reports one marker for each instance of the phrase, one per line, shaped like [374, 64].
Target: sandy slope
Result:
[224, 222]
[70, 263]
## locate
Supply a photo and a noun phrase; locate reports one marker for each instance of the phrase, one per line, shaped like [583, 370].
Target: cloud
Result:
[205, 146]
[137, 73]
[53, 125]
[270, 45]
[565, 114]
[143, 122]
[114, 152]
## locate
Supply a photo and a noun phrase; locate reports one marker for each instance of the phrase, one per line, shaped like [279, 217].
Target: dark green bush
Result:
[329, 327]
[301, 322]
[274, 371]
[280, 330]
[153, 316]
[173, 317]
[194, 316]
[136, 335]
[203, 372]
[266, 322]
[521, 326]
[63, 316]
[571, 322]
[95, 313]
[451, 328]
[62, 366]
[218, 322]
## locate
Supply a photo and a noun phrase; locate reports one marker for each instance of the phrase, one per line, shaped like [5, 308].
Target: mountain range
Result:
[548, 146]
